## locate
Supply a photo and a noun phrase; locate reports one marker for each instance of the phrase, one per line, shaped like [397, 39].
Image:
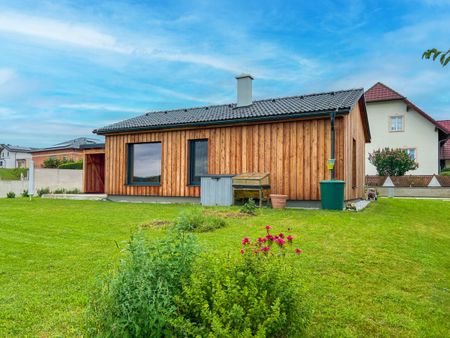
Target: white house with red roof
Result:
[395, 122]
[445, 149]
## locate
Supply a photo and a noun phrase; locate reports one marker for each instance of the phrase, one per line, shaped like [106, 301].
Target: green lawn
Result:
[381, 272]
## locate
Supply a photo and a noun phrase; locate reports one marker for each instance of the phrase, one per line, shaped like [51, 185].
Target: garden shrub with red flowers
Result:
[254, 295]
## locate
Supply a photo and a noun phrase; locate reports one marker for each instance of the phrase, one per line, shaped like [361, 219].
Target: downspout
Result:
[333, 150]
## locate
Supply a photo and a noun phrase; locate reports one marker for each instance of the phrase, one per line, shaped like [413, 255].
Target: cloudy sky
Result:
[67, 67]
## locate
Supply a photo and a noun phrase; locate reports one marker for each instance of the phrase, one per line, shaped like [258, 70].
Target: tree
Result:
[434, 53]
[392, 162]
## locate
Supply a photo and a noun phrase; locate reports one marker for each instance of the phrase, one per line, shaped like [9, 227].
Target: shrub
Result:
[249, 207]
[392, 162]
[42, 191]
[71, 165]
[445, 173]
[25, 193]
[51, 162]
[59, 191]
[257, 294]
[11, 195]
[138, 299]
[73, 191]
[196, 221]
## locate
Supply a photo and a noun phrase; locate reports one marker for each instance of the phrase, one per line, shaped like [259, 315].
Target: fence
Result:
[46, 178]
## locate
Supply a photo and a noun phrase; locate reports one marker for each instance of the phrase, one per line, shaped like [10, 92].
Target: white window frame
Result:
[409, 150]
[397, 129]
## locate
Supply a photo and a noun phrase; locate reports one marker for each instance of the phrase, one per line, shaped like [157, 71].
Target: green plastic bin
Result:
[332, 193]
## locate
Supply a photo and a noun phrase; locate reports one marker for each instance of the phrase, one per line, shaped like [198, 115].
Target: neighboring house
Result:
[445, 149]
[395, 122]
[165, 153]
[70, 150]
[14, 156]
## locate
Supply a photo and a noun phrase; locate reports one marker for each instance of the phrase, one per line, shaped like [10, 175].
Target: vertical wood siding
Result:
[294, 153]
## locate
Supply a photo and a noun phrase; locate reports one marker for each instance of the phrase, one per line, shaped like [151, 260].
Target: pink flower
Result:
[242, 251]
[298, 251]
[270, 238]
[262, 240]
[245, 241]
[265, 249]
[290, 238]
[280, 241]
[281, 235]
[268, 227]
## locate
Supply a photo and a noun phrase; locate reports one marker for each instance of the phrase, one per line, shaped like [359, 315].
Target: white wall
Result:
[58, 179]
[46, 178]
[419, 133]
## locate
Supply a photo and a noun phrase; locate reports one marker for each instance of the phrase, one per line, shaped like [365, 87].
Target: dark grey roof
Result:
[71, 144]
[16, 149]
[268, 109]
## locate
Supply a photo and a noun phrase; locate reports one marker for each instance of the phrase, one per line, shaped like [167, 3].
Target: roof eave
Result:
[289, 116]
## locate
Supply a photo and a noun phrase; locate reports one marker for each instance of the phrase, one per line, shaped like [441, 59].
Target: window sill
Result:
[143, 184]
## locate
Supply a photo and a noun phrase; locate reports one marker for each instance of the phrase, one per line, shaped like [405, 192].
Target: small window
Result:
[198, 160]
[354, 163]
[144, 163]
[396, 123]
[411, 152]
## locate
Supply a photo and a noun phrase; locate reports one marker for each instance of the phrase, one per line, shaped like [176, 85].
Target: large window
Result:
[144, 163]
[198, 160]
[396, 123]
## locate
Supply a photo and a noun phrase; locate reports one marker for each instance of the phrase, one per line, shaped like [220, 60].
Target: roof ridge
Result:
[261, 100]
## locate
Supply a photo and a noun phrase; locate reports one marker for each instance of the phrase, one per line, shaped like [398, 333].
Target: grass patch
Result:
[7, 174]
[381, 272]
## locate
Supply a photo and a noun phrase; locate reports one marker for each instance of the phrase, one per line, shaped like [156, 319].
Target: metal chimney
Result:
[244, 90]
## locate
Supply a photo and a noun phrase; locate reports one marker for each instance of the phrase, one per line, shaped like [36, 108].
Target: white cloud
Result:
[102, 107]
[60, 31]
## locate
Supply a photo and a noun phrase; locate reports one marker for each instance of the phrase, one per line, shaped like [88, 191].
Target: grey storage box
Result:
[216, 190]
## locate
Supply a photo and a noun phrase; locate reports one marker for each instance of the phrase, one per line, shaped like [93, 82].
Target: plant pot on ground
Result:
[278, 201]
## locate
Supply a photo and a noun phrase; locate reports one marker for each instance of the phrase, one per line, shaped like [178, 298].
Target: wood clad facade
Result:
[293, 152]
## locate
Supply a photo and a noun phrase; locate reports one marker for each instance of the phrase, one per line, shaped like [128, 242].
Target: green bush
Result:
[52, 162]
[73, 191]
[42, 191]
[71, 165]
[25, 193]
[59, 191]
[138, 299]
[445, 173]
[249, 207]
[196, 221]
[11, 195]
[254, 296]
[392, 162]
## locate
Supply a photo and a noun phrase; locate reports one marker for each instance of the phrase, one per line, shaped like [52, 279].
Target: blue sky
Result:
[68, 67]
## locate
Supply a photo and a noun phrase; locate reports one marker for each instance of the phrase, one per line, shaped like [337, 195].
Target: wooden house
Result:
[163, 154]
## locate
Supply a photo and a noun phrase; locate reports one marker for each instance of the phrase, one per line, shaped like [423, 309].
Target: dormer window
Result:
[397, 124]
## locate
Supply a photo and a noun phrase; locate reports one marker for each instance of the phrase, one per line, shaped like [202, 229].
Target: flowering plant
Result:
[279, 245]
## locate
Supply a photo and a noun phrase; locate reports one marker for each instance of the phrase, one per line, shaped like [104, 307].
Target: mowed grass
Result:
[12, 174]
[381, 272]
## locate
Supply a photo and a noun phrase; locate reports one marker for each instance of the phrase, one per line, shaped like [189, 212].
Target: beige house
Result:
[14, 156]
[395, 122]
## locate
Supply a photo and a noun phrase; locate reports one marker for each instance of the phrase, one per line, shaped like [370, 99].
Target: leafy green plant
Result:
[52, 162]
[137, 300]
[59, 191]
[42, 191]
[71, 165]
[249, 207]
[196, 221]
[73, 191]
[254, 295]
[10, 195]
[434, 53]
[392, 162]
[25, 193]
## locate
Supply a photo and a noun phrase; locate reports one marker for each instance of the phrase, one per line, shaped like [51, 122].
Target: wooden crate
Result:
[252, 179]
[252, 185]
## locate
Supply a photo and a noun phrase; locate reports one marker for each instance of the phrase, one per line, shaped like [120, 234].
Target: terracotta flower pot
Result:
[278, 201]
